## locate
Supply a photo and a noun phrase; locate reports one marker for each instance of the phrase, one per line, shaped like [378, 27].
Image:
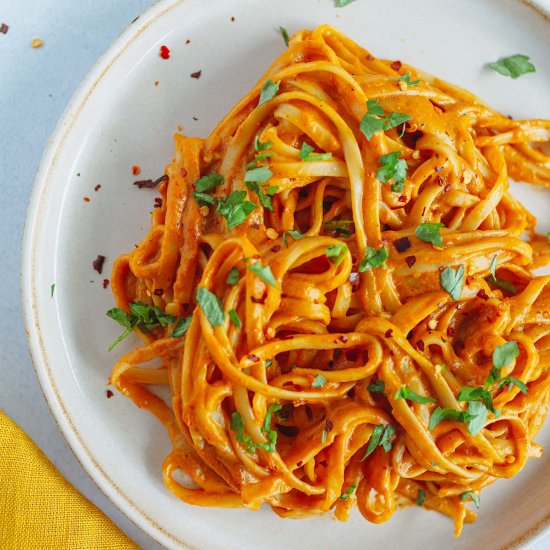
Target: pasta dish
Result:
[338, 291]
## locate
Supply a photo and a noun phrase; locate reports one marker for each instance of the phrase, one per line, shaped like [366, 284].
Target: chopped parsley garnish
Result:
[350, 489]
[259, 174]
[269, 91]
[511, 381]
[430, 233]
[235, 318]
[181, 327]
[338, 226]
[232, 276]
[513, 66]
[343, 3]
[235, 209]
[145, 317]
[472, 496]
[262, 146]
[284, 34]
[471, 393]
[502, 357]
[211, 306]
[406, 78]
[381, 436]
[206, 183]
[264, 273]
[405, 393]
[373, 258]
[296, 235]
[421, 497]
[475, 416]
[307, 155]
[375, 120]
[237, 425]
[264, 194]
[319, 381]
[493, 267]
[452, 280]
[336, 253]
[392, 167]
[377, 387]
[501, 283]
[52, 290]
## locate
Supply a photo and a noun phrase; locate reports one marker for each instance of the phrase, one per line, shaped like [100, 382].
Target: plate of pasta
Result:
[298, 272]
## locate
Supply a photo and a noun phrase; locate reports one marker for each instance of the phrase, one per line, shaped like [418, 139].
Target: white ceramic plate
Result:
[119, 118]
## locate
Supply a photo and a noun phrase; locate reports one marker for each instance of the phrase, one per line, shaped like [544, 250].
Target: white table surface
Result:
[35, 86]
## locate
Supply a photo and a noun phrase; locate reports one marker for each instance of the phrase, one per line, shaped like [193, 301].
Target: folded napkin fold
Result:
[39, 508]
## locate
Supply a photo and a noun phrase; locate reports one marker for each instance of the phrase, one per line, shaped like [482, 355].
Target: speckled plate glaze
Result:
[125, 113]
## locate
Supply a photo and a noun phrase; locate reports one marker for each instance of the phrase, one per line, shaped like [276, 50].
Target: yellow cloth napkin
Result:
[39, 508]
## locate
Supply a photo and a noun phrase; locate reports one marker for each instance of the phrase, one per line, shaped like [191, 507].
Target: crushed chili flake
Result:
[370, 57]
[289, 431]
[196, 74]
[150, 184]
[450, 332]
[232, 19]
[389, 333]
[4, 28]
[97, 187]
[37, 43]
[183, 172]
[410, 260]
[354, 280]
[158, 292]
[402, 244]
[86, 199]
[164, 52]
[105, 283]
[156, 82]
[328, 425]
[482, 294]
[420, 345]
[396, 65]
[188, 41]
[343, 339]
[402, 198]
[97, 264]
[136, 170]
[275, 248]
[158, 203]
[109, 394]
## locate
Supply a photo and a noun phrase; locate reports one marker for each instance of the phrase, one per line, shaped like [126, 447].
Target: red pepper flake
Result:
[482, 294]
[328, 425]
[109, 394]
[389, 333]
[255, 300]
[355, 281]
[150, 184]
[188, 41]
[164, 52]
[196, 74]
[105, 283]
[396, 65]
[158, 203]
[402, 244]
[275, 248]
[232, 19]
[158, 292]
[97, 264]
[343, 339]
[97, 187]
[352, 354]
[450, 332]
[420, 345]
[370, 57]
[4, 28]
[253, 358]
[156, 82]
[410, 260]
[86, 199]
[136, 170]
[402, 198]
[183, 172]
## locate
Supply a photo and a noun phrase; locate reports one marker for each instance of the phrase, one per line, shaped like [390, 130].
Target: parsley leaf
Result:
[373, 258]
[296, 235]
[122, 318]
[284, 34]
[259, 175]
[473, 496]
[513, 66]
[505, 354]
[269, 90]
[211, 306]
[319, 381]
[263, 194]
[52, 290]
[470, 393]
[338, 226]
[343, 3]
[421, 497]
[492, 267]
[511, 381]
[262, 146]
[451, 281]
[264, 273]
[307, 155]
[430, 233]
[181, 327]
[206, 183]
[391, 167]
[407, 79]
[381, 436]
[377, 387]
[475, 416]
[233, 276]
[373, 122]
[235, 209]
[336, 253]
[441, 414]
[352, 487]
[405, 393]
[235, 318]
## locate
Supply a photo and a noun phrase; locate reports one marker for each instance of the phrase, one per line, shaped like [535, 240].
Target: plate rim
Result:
[28, 289]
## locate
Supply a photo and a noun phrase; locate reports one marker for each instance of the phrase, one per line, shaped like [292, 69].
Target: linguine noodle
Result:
[339, 296]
